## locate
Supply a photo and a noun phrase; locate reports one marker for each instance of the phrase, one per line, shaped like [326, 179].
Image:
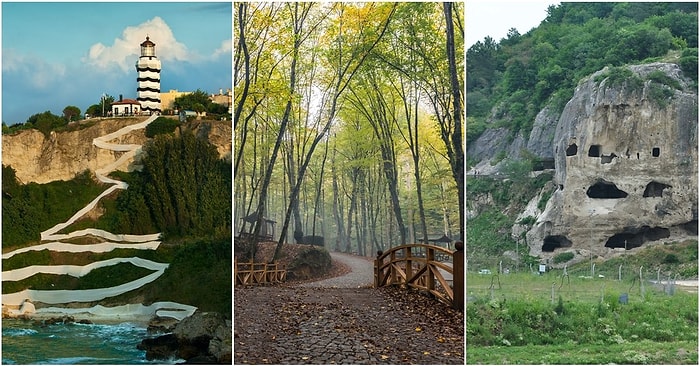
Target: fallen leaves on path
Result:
[389, 325]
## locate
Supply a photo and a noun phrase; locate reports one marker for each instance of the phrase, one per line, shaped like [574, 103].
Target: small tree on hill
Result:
[71, 112]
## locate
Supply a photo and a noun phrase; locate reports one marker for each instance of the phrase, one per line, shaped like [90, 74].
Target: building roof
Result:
[147, 43]
[127, 101]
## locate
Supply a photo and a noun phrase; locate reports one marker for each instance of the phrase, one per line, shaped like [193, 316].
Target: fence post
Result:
[458, 277]
[235, 271]
[553, 284]
[619, 273]
[392, 257]
[377, 265]
[409, 264]
[429, 258]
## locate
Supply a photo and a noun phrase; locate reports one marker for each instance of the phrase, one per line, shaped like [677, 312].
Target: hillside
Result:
[150, 237]
[582, 135]
[62, 155]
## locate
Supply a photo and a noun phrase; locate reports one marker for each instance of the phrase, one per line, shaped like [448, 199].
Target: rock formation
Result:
[203, 337]
[626, 164]
[62, 155]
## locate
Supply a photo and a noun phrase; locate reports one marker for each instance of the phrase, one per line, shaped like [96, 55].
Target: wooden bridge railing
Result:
[400, 266]
[250, 273]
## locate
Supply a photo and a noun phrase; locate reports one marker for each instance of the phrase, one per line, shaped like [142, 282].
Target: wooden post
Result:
[409, 264]
[235, 271]
[458, 277]
[392, 258]
[377, 265]
[429, 258]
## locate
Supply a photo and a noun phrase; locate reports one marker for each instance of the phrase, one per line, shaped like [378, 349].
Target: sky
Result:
[60, 54]
[495, 17]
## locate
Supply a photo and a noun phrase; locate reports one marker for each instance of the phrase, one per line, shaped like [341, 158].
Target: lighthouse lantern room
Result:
[148, 69]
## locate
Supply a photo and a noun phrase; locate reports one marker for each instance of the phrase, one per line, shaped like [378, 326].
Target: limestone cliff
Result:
[62, 155]
[626, 163]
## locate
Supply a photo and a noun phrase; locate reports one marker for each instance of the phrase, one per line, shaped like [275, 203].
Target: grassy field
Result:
[550, 319]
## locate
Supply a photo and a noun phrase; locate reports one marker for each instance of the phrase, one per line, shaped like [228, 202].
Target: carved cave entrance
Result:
[605, 190]
[655, 189]
[552, 242]
[634, 237]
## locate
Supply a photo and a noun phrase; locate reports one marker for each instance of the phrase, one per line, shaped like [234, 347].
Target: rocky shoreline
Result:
[202, 338]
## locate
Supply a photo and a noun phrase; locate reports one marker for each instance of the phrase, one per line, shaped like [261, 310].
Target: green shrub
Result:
[660, 94]
[660, 77]
[160, 126]
[529, 220]
[563, 257]
[671, 259]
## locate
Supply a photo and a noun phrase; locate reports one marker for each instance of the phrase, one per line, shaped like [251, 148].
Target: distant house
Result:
[126, 107]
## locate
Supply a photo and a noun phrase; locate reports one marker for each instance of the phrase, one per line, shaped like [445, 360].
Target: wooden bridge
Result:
[417, 266]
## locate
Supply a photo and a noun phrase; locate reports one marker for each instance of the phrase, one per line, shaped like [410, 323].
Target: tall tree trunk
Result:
[458, 163]
[337, 205]
[351, 209]
[298, 22]
[318, 191]
[242, 12]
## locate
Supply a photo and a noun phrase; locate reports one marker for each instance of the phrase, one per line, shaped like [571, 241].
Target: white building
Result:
[148, 68]
[126, 107]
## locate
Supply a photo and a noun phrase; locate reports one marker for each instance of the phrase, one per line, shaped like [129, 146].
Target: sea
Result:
[24, 342]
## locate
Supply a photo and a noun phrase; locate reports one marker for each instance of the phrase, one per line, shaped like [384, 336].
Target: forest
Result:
[510, 81]
[348, 121]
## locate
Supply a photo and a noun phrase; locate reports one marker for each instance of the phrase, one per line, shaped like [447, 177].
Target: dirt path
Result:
[343, 320]
[361, 273]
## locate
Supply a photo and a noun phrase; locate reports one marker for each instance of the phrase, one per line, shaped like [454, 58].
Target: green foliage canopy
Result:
[511, 81]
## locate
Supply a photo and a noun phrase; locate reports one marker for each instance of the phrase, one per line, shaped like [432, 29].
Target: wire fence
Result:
[624, 284]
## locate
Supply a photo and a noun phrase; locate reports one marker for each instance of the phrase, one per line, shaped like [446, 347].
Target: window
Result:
[655, 152]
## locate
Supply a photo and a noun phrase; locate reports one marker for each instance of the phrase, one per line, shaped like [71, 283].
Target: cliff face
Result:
[626, 164]
[62, 155]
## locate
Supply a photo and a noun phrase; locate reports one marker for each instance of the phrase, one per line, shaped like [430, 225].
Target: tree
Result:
[46, 122]
[376, 20]
[71, 112]
[190, 100]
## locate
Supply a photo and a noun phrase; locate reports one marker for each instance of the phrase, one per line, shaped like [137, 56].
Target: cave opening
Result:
[571, 150]
[552, 242]
[691, 227]
[606, 159]
[595, 151]
[605, 190]
[634, 237]
[655, 189]
[655, 152]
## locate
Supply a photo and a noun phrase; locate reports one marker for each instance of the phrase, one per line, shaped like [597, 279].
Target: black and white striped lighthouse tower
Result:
[148, 68]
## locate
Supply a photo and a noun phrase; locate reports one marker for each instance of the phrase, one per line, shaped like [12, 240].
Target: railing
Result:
[250, 273]
[399, 266]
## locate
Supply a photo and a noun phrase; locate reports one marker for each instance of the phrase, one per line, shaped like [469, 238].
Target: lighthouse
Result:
[148, 69]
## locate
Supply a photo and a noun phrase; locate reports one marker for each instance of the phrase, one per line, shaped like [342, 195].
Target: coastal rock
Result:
[159, 348]
[203, 337]
[161, 325]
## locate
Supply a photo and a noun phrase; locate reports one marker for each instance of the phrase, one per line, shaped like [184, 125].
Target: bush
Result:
[563, 257]
[160, 126]
[671, 259]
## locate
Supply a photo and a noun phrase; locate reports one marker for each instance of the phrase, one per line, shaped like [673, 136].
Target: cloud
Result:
[37, 72]
[225, 49]
[125, 50]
